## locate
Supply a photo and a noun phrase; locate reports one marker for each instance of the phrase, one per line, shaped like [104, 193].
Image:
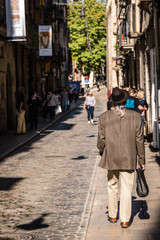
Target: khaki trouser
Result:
[21, 125]
[126, 184]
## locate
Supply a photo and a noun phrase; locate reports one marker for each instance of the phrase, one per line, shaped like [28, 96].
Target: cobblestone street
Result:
[47, 186]
[52, 188]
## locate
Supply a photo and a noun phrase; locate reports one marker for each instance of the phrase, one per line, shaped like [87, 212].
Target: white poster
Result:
[15, 19]
[45, 40]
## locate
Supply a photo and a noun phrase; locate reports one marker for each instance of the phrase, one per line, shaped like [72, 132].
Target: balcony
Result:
[124, 41]
[132, 21]
[122, 7]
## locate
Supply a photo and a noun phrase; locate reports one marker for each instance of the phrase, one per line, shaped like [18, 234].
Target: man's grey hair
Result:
[120, 110]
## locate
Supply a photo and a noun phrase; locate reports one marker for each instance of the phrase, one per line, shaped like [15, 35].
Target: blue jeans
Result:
[143, 122]
[64, 105]
[90, 113]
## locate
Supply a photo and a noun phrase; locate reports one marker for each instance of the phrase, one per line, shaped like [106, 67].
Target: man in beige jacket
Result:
[120, 141]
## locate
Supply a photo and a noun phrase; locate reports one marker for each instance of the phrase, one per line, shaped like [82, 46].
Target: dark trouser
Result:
[90, 113]
[143, 122]
[51, 111]
[33, 120]
[44, 112]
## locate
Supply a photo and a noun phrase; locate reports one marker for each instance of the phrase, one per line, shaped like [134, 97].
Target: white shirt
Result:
[90, 101]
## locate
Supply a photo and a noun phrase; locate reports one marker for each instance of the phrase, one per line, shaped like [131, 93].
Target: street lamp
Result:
[86, 27]
[87, 39]
[82, 15]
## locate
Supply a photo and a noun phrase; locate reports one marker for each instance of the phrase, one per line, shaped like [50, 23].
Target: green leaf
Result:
[95, 15]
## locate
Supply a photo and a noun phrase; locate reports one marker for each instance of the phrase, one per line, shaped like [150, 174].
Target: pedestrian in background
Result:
[144, 104]
[33, 103]
[21, 124]
[98, 86]
[70, 95]
[65, 99]
[120, 141]
[76, 94]
[51, 104]
[89, 104]
[44, 104]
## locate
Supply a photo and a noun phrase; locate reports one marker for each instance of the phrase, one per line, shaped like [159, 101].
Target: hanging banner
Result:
[45, 40]
[15, 19]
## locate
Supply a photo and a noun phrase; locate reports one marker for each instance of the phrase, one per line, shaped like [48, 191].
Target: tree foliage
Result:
[95, 15]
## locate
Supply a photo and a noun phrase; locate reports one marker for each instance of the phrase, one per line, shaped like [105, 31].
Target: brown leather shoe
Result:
[125, 224]
[112, 220]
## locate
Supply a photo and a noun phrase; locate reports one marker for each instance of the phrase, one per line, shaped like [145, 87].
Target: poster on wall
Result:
[45, 40]
[15, 20]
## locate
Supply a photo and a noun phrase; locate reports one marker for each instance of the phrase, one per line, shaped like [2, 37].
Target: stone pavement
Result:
[9, 141]
[47, 186]
[52, 189]
[145, 214]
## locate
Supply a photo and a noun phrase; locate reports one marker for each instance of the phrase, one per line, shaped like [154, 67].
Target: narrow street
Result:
[52, 188]
[47, 186]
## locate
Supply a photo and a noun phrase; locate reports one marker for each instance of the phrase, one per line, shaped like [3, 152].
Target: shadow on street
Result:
[7, 184]
[35, 224]
[59, 125]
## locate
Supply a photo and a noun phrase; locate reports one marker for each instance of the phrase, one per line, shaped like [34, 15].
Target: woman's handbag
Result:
[17, 113]
[87, 107]
[141, 184]
[58, 110]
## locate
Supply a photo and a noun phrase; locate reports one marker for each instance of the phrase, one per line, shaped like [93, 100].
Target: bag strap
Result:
[50, 98]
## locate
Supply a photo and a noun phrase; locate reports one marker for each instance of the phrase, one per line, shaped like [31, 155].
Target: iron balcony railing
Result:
[124, 41]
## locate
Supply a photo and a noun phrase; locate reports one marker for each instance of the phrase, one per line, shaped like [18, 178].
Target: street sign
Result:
[15, 16]
[45, 40]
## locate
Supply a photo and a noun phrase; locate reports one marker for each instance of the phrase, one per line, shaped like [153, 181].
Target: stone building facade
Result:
[20, 63]
[138, 55]
[111, 71]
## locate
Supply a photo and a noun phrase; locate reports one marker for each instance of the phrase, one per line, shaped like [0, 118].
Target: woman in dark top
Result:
[44, 104]
[33, 103]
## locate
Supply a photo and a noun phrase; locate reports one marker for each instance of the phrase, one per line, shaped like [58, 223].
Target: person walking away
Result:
[44, 104]
[120, 141]
[76, 94]
[33, 103]
[70, 95]
[52, 103]
[89, 104]
[21, 124]
[98, 86]
[58, 109]
[132, 102]
[144, 104]
[65, 99]
[87, 90]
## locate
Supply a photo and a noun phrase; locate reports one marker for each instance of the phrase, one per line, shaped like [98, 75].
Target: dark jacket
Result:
[143, 103]
[33, 105]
